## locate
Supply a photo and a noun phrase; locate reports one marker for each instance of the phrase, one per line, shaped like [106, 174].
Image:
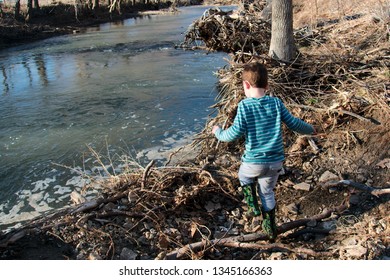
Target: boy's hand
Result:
[215, 128]
[314, 130]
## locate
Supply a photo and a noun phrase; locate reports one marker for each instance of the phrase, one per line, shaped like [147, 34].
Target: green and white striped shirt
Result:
[259, 120]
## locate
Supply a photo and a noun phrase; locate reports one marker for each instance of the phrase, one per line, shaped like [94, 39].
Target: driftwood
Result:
[277, 247]
[375, 191]
[238, 240]
[146, 173]
[338, 111]
[149, 211]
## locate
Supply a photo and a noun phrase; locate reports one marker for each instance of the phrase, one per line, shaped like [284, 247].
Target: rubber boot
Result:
[269, 224]
[250, 197]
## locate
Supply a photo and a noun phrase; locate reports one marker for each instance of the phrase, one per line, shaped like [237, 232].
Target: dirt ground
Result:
[333, 201]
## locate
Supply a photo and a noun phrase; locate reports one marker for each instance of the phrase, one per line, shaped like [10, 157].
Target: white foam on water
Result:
[48, 194]
[43, 184]
[77, 181]
[62, 190]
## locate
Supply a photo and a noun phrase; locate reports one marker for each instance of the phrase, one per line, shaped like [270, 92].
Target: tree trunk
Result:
[95, 6]
[29, 10]
[282, 37]
[77, 9]
[36, 5]
[266, 13]
[17, 9]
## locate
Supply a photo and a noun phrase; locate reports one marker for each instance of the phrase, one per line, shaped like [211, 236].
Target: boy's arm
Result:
[296, 124]
[235, 131]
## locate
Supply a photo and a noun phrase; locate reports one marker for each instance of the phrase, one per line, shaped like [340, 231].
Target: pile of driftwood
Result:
[172, 212]
[194, 210]
[336, 85]
[228, 32]
[183, 212]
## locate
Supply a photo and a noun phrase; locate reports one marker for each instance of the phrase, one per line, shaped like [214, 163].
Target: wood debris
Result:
[194, 210]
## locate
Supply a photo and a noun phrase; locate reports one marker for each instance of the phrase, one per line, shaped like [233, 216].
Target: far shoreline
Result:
[14, 32]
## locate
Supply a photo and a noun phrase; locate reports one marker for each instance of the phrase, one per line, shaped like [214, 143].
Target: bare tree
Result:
[29, 10]
[95, 6]
[77, 8]
[17, 9]
[282, 37]
[115, 5]
[36, 5]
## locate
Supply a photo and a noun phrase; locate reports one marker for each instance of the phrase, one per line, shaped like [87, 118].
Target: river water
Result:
[120, 88]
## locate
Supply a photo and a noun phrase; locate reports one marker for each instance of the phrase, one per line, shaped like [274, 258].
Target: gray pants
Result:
[266, 175]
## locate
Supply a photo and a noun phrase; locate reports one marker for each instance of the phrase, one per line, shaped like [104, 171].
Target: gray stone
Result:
[302, 186]
[128, 254]
[328, 176]
[354, 199]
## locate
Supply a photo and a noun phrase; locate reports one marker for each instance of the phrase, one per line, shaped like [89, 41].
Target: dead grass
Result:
[338, 83]
[310, 12]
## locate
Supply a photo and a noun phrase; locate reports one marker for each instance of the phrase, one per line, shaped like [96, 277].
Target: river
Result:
[120, 89]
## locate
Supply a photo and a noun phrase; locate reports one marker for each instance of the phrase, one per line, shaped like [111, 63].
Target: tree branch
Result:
[205, 244]
[372, 190]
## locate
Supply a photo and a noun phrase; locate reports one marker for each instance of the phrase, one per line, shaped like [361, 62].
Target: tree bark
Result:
[36, 5]
[266, 13]
[17, 9]
[282, 45]
[29, 10]
[95, 6]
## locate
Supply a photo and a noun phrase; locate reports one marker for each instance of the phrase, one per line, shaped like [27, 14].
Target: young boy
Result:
[259, 118]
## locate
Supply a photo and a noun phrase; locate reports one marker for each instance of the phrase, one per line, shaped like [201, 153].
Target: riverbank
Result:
[333, 200]
[59, 19]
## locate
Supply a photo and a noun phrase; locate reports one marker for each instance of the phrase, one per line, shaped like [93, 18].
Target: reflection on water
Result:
[119, 89]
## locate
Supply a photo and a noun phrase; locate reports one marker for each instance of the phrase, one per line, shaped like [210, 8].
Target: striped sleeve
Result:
[294, 123]
[236, 130]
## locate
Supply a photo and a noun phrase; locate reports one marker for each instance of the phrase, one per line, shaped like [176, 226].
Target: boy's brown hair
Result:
[256, 74]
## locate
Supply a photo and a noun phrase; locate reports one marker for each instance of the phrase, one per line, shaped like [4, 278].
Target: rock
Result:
[211, 206]
[292, 208]
[384, 163]
[302, 186]
[128, 254]
[109, 206]
[328, 176]
[329, 225]
[354, 199]
[357, 251]
[351, 241]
